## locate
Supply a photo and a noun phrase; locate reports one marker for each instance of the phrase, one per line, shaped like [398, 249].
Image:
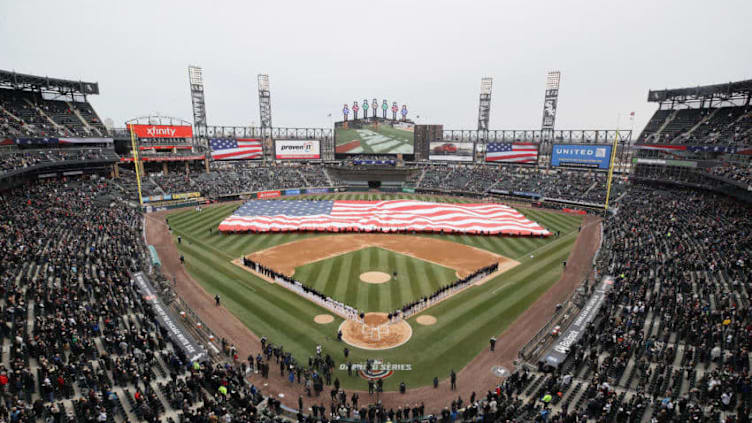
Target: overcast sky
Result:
[427, 54]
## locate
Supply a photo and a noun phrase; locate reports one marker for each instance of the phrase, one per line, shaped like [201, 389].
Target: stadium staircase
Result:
[590, 188]
[59, 128]
[328, 178]
[7, 112]
[159, 188]
[88, 128]
[420, 178]
[657, 134]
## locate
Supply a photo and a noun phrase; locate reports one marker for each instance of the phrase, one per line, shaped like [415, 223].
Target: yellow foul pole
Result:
[611, 169]
[134, 151]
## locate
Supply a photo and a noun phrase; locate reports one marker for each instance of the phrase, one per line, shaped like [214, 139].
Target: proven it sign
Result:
[161, 131]
[297, 150]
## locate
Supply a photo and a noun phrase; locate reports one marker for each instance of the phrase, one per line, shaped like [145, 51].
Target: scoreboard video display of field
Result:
[581, 155]
[374, 136]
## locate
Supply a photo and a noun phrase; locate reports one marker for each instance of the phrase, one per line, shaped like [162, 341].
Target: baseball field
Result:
[459, 327]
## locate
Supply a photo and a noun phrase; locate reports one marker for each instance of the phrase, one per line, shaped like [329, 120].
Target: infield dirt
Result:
[464, 259]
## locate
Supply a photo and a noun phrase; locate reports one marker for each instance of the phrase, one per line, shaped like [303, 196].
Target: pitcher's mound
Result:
[375, 277]
[375, 333]
[323, 319]
[426, 320]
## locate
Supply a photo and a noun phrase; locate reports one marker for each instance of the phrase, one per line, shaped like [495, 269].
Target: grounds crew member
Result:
[453, 379]
[216, 299]
[435, 382]
[492, 341]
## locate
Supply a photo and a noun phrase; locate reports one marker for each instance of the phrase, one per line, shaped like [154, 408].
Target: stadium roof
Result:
[21, 81]
[727, 91]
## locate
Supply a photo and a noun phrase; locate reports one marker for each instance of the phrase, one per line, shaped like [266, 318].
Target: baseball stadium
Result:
[381, 266]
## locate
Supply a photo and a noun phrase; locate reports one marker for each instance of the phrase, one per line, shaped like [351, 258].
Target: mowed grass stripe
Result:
[262, 310]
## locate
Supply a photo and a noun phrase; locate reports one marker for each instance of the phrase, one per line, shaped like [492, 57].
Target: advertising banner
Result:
[85, 140]
[409, 190]
[581, 155]
[268, 194]
[161, 131]
[183, 195]
[166, 319]
[451, 151]
[164, 159]
[677, 163]
[35, 141]
[292, 192]
[559, 351]
[317, 190]
[297, 150]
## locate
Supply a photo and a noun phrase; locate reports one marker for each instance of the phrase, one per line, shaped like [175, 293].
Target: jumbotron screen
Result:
[374, 136]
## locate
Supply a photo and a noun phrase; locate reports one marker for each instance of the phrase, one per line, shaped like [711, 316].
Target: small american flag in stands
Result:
[235, 149]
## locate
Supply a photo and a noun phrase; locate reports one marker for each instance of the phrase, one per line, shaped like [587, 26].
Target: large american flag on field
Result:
[519, 152]
[235, 149]
[378, 216]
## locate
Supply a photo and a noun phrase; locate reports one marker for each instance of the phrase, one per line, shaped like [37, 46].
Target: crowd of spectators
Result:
[738, 172]
[18, 159]
[82, 346]
[726, 125]
[585, 186]
[26, 113]
[226, 179]
[673, 340]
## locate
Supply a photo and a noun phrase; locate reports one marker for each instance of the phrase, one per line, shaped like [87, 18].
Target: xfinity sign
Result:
[581, 155]
[162, 131]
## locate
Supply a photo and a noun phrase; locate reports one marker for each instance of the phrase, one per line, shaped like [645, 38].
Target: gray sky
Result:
[428, 54]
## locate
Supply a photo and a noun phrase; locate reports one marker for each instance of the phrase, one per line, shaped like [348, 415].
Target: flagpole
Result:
[611, 168]
[134, 151]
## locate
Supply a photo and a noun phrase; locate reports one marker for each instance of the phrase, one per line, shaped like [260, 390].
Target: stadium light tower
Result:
[549, 105]
[484, 107]
[196, 81]
[265, 103]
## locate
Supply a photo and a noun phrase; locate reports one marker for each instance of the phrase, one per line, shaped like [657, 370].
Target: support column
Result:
[116, 170]
[164, 168]
[206, 164]
[186, 167]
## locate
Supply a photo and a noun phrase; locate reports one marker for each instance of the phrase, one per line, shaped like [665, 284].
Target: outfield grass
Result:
[465, 321]
[339, 278]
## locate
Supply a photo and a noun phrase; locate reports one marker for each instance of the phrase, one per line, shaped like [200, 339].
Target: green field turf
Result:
[465, 321]
[339, 278]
